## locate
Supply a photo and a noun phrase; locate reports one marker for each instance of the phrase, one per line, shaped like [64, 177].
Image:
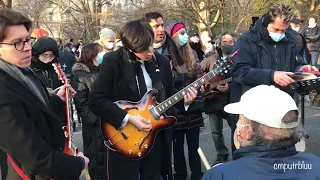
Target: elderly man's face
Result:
[243, 130]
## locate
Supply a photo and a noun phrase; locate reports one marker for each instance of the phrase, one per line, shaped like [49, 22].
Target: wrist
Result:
[83, 162]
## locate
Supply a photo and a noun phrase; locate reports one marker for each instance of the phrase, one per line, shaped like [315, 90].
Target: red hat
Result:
[177, 27]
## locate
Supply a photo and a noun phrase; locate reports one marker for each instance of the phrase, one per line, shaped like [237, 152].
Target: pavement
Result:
[312, 127]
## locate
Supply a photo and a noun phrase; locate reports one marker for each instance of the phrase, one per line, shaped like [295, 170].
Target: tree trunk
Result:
[7, 3]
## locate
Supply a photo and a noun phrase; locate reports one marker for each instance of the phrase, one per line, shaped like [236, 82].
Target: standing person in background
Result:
[44, 53]
[188, 120]
[85, 72]
[66, 59]
[163, 42]
[312, 36]
[215, 103]
[196, 44]
[107, 39]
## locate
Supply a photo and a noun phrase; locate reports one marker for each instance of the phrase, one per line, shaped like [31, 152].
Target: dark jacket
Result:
[66, 61]
[312, 36]
[117, 81]
[48, 77]
[300, 41]
[260, 163]
[32, 134]
[192, 117]
[93, 146]
[259, 57]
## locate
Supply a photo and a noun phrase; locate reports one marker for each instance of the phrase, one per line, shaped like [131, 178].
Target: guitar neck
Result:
[213, 85]
[162, 107]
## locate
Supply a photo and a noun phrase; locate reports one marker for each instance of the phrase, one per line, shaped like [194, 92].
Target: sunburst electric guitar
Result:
[131, 143]
[70, 147]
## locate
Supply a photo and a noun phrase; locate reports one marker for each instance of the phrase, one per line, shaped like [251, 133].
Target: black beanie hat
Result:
[44, 44]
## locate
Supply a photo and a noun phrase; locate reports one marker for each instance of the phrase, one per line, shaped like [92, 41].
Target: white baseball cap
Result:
[266, 105]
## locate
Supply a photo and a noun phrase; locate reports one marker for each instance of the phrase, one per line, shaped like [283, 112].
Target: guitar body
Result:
[67, 145]
[130, 142]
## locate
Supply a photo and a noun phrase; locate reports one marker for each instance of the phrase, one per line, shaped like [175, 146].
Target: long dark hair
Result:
[88, 53]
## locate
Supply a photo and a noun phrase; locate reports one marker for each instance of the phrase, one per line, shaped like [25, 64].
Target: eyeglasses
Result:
[241, 126]
[21, 44]
[46, 56]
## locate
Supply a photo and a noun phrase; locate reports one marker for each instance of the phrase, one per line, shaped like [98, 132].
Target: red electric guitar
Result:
[70, 147]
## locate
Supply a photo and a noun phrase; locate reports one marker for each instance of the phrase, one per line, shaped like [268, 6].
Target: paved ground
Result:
[312, 126]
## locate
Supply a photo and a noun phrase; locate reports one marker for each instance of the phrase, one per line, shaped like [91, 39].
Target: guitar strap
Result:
[16, 168]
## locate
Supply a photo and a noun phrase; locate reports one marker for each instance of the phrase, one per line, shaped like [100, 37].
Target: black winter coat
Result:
[32, 134]
[192, 117]
[259, 57]
[93, 145]
[48, 77]
[312, 36]
[117, 81]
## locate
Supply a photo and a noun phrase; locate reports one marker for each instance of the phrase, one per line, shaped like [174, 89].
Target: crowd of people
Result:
[149, 54]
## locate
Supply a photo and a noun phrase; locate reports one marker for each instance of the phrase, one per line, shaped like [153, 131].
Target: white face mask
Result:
[312, 23]
[296, 28]
[109, 45]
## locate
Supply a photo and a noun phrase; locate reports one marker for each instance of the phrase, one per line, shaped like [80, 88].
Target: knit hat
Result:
[193, 32]
[107, 33]
[172, 28]
[44, 44]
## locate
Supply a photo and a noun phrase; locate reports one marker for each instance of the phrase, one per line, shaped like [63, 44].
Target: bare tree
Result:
[6, 3]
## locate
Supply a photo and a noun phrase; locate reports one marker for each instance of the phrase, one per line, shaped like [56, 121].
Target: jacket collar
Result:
[264, 151]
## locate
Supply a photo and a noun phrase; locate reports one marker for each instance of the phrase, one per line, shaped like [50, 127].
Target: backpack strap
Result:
[17, 169]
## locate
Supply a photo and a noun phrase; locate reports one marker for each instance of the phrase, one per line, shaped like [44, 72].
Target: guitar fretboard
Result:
[162, 107]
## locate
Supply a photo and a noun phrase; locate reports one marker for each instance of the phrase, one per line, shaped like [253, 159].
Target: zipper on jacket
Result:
[275, 55]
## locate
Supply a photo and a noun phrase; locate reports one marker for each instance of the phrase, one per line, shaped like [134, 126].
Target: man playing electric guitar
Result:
[127, 74]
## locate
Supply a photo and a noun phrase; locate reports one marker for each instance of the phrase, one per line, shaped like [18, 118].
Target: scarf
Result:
[161, 43]
[16, 73]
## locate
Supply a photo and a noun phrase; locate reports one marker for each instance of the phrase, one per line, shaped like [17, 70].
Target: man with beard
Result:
[216, 101]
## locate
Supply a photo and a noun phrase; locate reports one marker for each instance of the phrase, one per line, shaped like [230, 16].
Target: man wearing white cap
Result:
[266, 135]
[107, 39]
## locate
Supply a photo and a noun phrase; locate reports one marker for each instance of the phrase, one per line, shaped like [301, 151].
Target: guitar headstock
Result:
[60, 73]
[223, 66]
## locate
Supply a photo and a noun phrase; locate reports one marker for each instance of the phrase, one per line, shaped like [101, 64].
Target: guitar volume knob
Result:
[136, 143]
[146, 146]
[139, 154]
[130, 152]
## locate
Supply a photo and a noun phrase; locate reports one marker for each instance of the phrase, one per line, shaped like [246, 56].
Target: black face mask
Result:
[227, 49]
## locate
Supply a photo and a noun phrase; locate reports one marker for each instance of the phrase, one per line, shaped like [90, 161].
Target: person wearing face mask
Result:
[312, 36]
[298, 37]
[269, 140]
[268, 54]
[85, 72]
[189, 120]
[107, 39]
[196, 44]
[44, 53]
[215, 102]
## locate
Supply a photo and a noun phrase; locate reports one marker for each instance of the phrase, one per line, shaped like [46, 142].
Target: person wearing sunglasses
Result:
[45, 52]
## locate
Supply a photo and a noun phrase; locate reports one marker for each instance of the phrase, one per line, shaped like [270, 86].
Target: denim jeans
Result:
[314, 58]
[216, 123]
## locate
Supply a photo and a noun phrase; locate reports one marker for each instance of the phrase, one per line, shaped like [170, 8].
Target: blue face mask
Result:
[100, 57]
[183, 39]
[276, 37]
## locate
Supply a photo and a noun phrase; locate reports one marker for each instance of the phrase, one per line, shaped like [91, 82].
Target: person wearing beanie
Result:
[45, 52]
[189, 120]
[196, 43]
[107, 39]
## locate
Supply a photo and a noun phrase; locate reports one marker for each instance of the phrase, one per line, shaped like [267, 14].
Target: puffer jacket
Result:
[93, 145]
